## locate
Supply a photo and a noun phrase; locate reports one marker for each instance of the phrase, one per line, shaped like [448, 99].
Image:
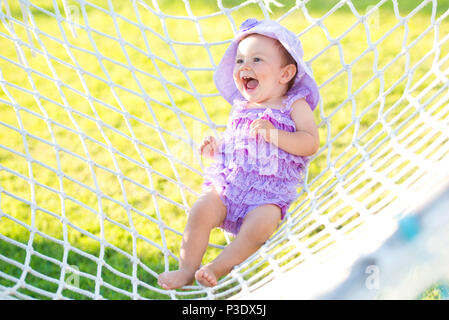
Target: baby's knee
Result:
[207, 208]
[204, 203]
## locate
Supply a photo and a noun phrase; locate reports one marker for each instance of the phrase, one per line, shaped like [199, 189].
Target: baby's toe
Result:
[199, 274]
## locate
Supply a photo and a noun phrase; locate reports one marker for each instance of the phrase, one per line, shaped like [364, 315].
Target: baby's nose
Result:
[245, 71]
[244, 67]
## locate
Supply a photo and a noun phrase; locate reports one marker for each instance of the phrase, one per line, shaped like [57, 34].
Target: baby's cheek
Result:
[235, 76]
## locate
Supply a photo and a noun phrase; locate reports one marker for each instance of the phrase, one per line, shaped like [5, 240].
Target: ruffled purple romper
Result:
[249, 172]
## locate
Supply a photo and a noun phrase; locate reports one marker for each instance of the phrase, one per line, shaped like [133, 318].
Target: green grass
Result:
[435, 292]
[17, 217]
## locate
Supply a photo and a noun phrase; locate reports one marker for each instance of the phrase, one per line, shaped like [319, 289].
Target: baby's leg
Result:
[258, 225]
[206, 213]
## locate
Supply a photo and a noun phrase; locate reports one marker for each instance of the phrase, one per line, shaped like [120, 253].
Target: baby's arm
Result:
[305, 141]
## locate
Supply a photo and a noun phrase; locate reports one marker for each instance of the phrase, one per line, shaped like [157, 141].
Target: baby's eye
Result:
[239, 61]
[257, 59]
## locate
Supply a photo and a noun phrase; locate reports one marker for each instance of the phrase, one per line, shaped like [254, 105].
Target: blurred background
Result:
[103, 103]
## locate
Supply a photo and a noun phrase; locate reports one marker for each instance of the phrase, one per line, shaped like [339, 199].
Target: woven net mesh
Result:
[103, 103]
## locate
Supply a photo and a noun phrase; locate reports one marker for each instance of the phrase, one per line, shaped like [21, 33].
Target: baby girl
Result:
[260, 160]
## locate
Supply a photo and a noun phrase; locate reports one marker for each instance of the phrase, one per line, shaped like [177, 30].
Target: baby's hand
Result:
[208, 146]
[262, 127]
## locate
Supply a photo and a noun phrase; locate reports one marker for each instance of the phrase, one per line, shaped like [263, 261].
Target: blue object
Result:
[409, 227]
[444, 291]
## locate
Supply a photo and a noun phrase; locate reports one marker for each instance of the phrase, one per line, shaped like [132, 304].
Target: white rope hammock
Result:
[102, 104]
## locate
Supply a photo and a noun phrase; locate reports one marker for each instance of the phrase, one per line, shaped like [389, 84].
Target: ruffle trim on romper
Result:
[242, 180]
[264, 113]
[246, 186]
[255, 197]
[249, 171]
[272, 163]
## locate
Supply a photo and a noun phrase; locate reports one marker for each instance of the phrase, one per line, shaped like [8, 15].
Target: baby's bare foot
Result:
[206, 277]
[175, 279]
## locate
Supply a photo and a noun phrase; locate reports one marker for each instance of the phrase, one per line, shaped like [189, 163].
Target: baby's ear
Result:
[287, 73]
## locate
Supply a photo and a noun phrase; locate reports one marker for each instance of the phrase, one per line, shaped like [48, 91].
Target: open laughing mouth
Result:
[250, 83]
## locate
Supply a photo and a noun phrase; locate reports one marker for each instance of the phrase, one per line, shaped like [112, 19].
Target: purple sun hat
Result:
[304, 85]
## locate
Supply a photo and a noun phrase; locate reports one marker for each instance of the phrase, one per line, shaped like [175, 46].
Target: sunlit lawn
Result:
[134, 130]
